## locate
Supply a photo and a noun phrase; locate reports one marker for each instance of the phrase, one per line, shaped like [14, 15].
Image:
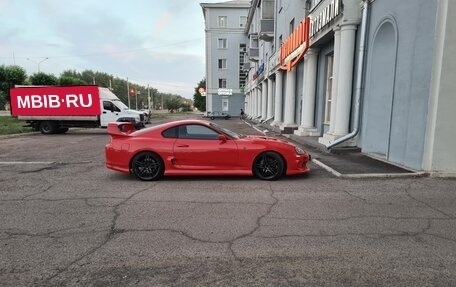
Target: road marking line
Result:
[25, 162]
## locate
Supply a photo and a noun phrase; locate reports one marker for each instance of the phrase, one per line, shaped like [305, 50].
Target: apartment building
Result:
[374, 75]
[225, 53]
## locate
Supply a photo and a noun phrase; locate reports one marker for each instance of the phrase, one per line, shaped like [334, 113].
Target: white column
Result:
[264, 100]
[278, 98]
[344, 55]
[246, 103]
[270, 104]
[255, 100]
[345, 81]
[290, 106]
[259, 102]
[307, 127]
[336, 61]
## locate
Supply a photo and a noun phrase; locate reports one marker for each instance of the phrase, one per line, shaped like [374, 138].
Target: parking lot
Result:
[66, 220]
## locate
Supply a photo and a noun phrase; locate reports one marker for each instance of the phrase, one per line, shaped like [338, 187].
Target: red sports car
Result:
[197, 147]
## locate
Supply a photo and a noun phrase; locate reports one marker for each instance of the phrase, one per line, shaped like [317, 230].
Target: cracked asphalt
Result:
[66, 220]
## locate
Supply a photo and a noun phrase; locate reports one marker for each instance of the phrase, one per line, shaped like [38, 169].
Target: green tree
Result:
[9, 77]
[173, 103]
[41, 78]
[66, 80]
[199, 101]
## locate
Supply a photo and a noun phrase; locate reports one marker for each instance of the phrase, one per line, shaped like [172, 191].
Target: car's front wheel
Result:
[268, 166]
[147, 166]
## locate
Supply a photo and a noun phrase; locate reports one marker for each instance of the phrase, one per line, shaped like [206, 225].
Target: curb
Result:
[367, 175]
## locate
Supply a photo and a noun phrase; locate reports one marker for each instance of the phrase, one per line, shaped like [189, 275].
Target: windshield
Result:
[120, 104]
[227, 131]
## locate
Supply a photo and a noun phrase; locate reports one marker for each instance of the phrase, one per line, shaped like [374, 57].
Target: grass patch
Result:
[11, 125]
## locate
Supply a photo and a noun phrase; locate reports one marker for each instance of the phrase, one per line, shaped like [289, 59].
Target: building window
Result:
[222, 43]
[224, 104]
[329, 84]
[242, 21]
[222, 83]
[222, 64]
[292, 26]
[222, 21]
[242, 69]
[312, 4]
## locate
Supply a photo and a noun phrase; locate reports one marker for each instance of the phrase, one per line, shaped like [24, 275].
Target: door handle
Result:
[183, 145]
[104, 112]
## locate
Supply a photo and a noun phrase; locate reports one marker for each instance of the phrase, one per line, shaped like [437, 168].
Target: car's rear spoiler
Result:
[121, 128]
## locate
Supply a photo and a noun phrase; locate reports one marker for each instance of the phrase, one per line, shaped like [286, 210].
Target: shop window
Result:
[329, 84]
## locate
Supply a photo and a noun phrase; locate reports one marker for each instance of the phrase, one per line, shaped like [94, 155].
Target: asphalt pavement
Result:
[341, 162]
[66, 220]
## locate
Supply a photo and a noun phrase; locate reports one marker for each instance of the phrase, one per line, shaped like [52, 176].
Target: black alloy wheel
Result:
[147, 166]
[268, 166]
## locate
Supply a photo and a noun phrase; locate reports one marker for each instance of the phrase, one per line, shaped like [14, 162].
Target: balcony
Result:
[246, 66]
[266, 32]
[254, 53]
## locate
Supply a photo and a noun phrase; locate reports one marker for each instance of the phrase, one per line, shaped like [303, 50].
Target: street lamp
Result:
[38, 63]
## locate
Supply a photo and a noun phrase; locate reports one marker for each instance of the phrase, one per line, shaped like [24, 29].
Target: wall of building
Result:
[440, 154]
[399, 64]
[234, 34]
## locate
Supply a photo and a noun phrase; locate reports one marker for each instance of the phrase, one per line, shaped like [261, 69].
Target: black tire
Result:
[48, 127]
[268, 166]
[227, 117]
[212, 118]
[147, 166]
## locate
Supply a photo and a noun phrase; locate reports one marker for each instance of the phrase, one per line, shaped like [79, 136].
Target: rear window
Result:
[170, 133]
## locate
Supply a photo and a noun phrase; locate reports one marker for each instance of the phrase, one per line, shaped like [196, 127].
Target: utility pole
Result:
[38, 63]
[128, 93]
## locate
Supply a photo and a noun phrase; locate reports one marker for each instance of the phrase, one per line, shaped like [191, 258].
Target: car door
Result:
[198, 147]
[109, 113]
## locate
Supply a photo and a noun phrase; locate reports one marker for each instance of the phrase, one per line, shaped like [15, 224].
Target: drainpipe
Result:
[359, 78]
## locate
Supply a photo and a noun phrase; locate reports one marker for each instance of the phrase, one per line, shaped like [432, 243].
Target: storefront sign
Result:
[224, 92]
[329, 13]
[294, 48]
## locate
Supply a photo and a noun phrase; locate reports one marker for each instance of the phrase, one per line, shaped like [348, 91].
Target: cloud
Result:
[163, 23]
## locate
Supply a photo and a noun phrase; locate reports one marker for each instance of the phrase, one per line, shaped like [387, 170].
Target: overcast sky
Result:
[156, 42]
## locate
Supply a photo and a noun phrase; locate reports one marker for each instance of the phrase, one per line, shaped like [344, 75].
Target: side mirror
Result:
[222, 138]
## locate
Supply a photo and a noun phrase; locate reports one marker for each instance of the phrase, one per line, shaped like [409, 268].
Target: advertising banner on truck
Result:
[55, 101]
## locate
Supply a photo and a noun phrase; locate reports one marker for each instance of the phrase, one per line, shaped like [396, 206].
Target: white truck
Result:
[55, 109]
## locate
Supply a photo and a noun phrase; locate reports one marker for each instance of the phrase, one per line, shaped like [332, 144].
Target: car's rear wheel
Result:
[212, 118]
[268, 166]
[48, 127]
[147, 166]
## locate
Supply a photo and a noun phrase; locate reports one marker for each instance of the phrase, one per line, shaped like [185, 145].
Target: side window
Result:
[197, 132]
[109, 106]
[170, 133]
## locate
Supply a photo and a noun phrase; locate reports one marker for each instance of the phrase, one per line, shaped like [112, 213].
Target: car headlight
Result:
[299, 150]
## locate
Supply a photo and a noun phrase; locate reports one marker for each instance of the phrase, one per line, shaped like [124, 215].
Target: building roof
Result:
[232, 3]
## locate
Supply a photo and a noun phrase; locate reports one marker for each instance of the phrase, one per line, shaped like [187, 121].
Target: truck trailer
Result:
[55, 109]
